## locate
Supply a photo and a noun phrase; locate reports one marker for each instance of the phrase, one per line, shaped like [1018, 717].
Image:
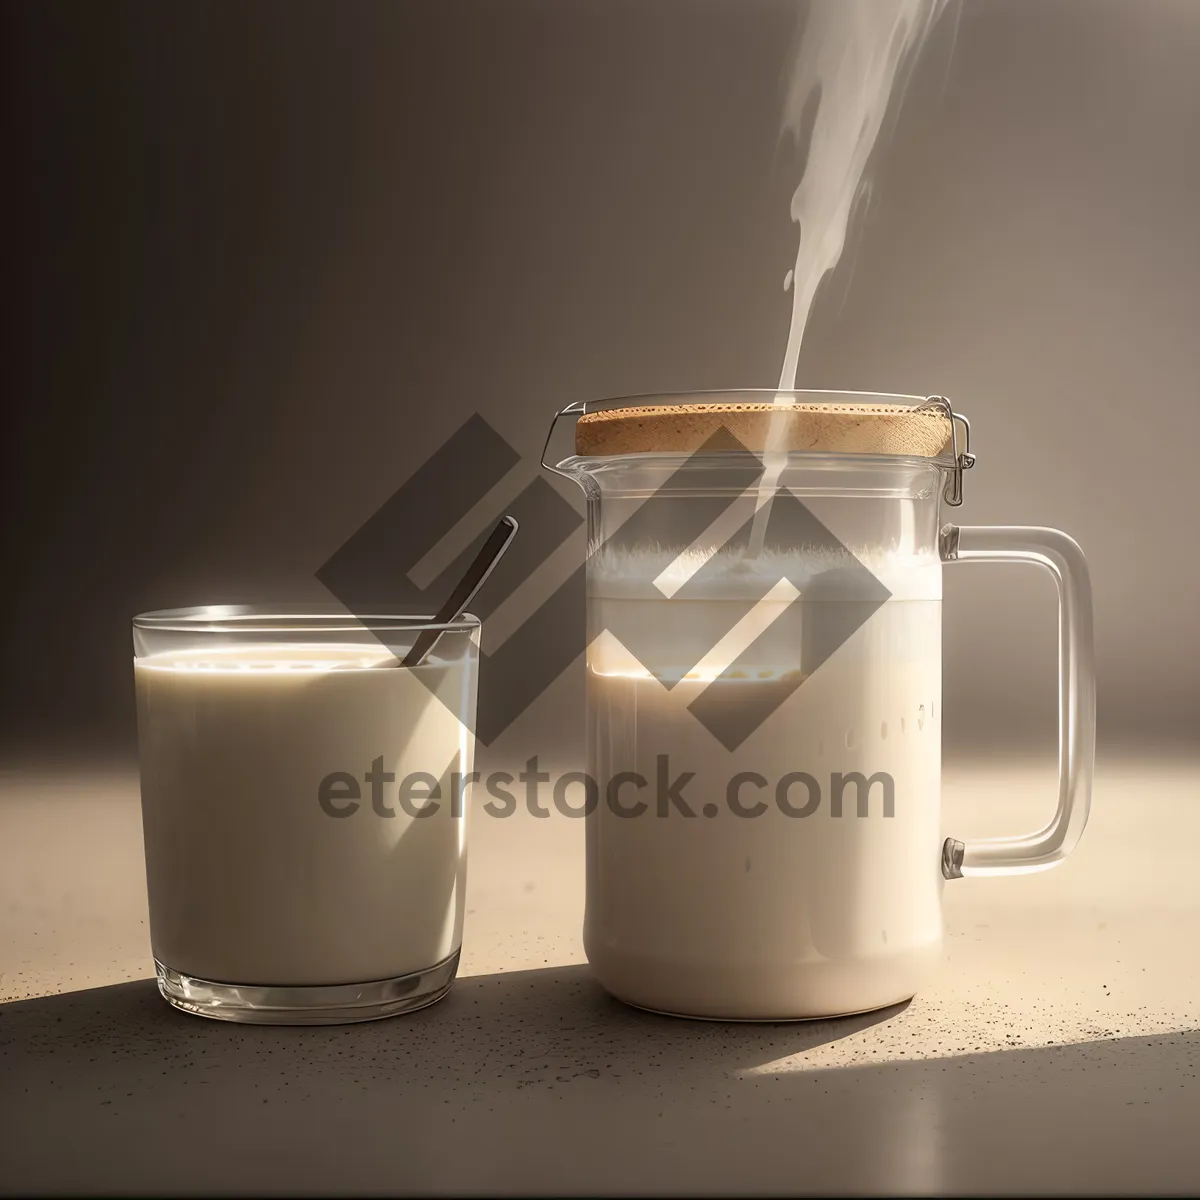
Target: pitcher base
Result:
[807, 992]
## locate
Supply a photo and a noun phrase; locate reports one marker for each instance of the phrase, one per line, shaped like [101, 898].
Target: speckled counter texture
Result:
[1058, 1052]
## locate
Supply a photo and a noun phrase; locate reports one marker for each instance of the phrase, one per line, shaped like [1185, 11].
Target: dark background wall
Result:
[261, 260]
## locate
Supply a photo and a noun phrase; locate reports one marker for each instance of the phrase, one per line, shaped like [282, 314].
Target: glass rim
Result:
[293, 618]
[838, 459]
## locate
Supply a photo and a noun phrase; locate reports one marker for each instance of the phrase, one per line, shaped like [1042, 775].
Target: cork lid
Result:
[835, 427]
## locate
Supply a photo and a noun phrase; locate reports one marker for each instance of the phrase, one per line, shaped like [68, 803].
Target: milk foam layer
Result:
[250, 881]
[632, 573]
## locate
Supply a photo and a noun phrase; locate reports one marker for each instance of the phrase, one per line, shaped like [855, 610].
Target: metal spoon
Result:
[464, 591]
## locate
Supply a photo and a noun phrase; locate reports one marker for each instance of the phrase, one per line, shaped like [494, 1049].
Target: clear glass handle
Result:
[1062, 557]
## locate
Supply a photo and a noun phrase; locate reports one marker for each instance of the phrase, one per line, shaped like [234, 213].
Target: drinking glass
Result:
[303, 809]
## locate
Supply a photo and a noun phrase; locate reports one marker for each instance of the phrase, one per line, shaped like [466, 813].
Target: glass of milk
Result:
[764, 696]
[304, 809]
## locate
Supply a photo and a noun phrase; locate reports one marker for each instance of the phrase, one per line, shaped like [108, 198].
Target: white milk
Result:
[250, 880]
[769, 916]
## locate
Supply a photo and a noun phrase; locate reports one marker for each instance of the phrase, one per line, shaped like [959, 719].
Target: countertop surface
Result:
[1058, 1051]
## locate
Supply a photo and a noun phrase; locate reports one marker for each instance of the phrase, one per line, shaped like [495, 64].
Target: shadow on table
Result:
[519, 1028]
[537, 1081]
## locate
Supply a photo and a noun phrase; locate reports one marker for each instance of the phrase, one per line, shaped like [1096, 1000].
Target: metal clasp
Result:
[575, 408]
[962, 462]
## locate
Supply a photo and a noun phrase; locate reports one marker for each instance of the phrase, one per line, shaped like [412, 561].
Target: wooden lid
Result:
[839, 428]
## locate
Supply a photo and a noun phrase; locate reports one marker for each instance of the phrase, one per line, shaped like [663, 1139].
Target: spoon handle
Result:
[464, 591]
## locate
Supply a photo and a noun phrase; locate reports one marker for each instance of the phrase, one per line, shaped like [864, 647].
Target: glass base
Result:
[334, 1004]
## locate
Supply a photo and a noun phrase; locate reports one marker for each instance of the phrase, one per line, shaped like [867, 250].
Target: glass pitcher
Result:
[764, 697]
